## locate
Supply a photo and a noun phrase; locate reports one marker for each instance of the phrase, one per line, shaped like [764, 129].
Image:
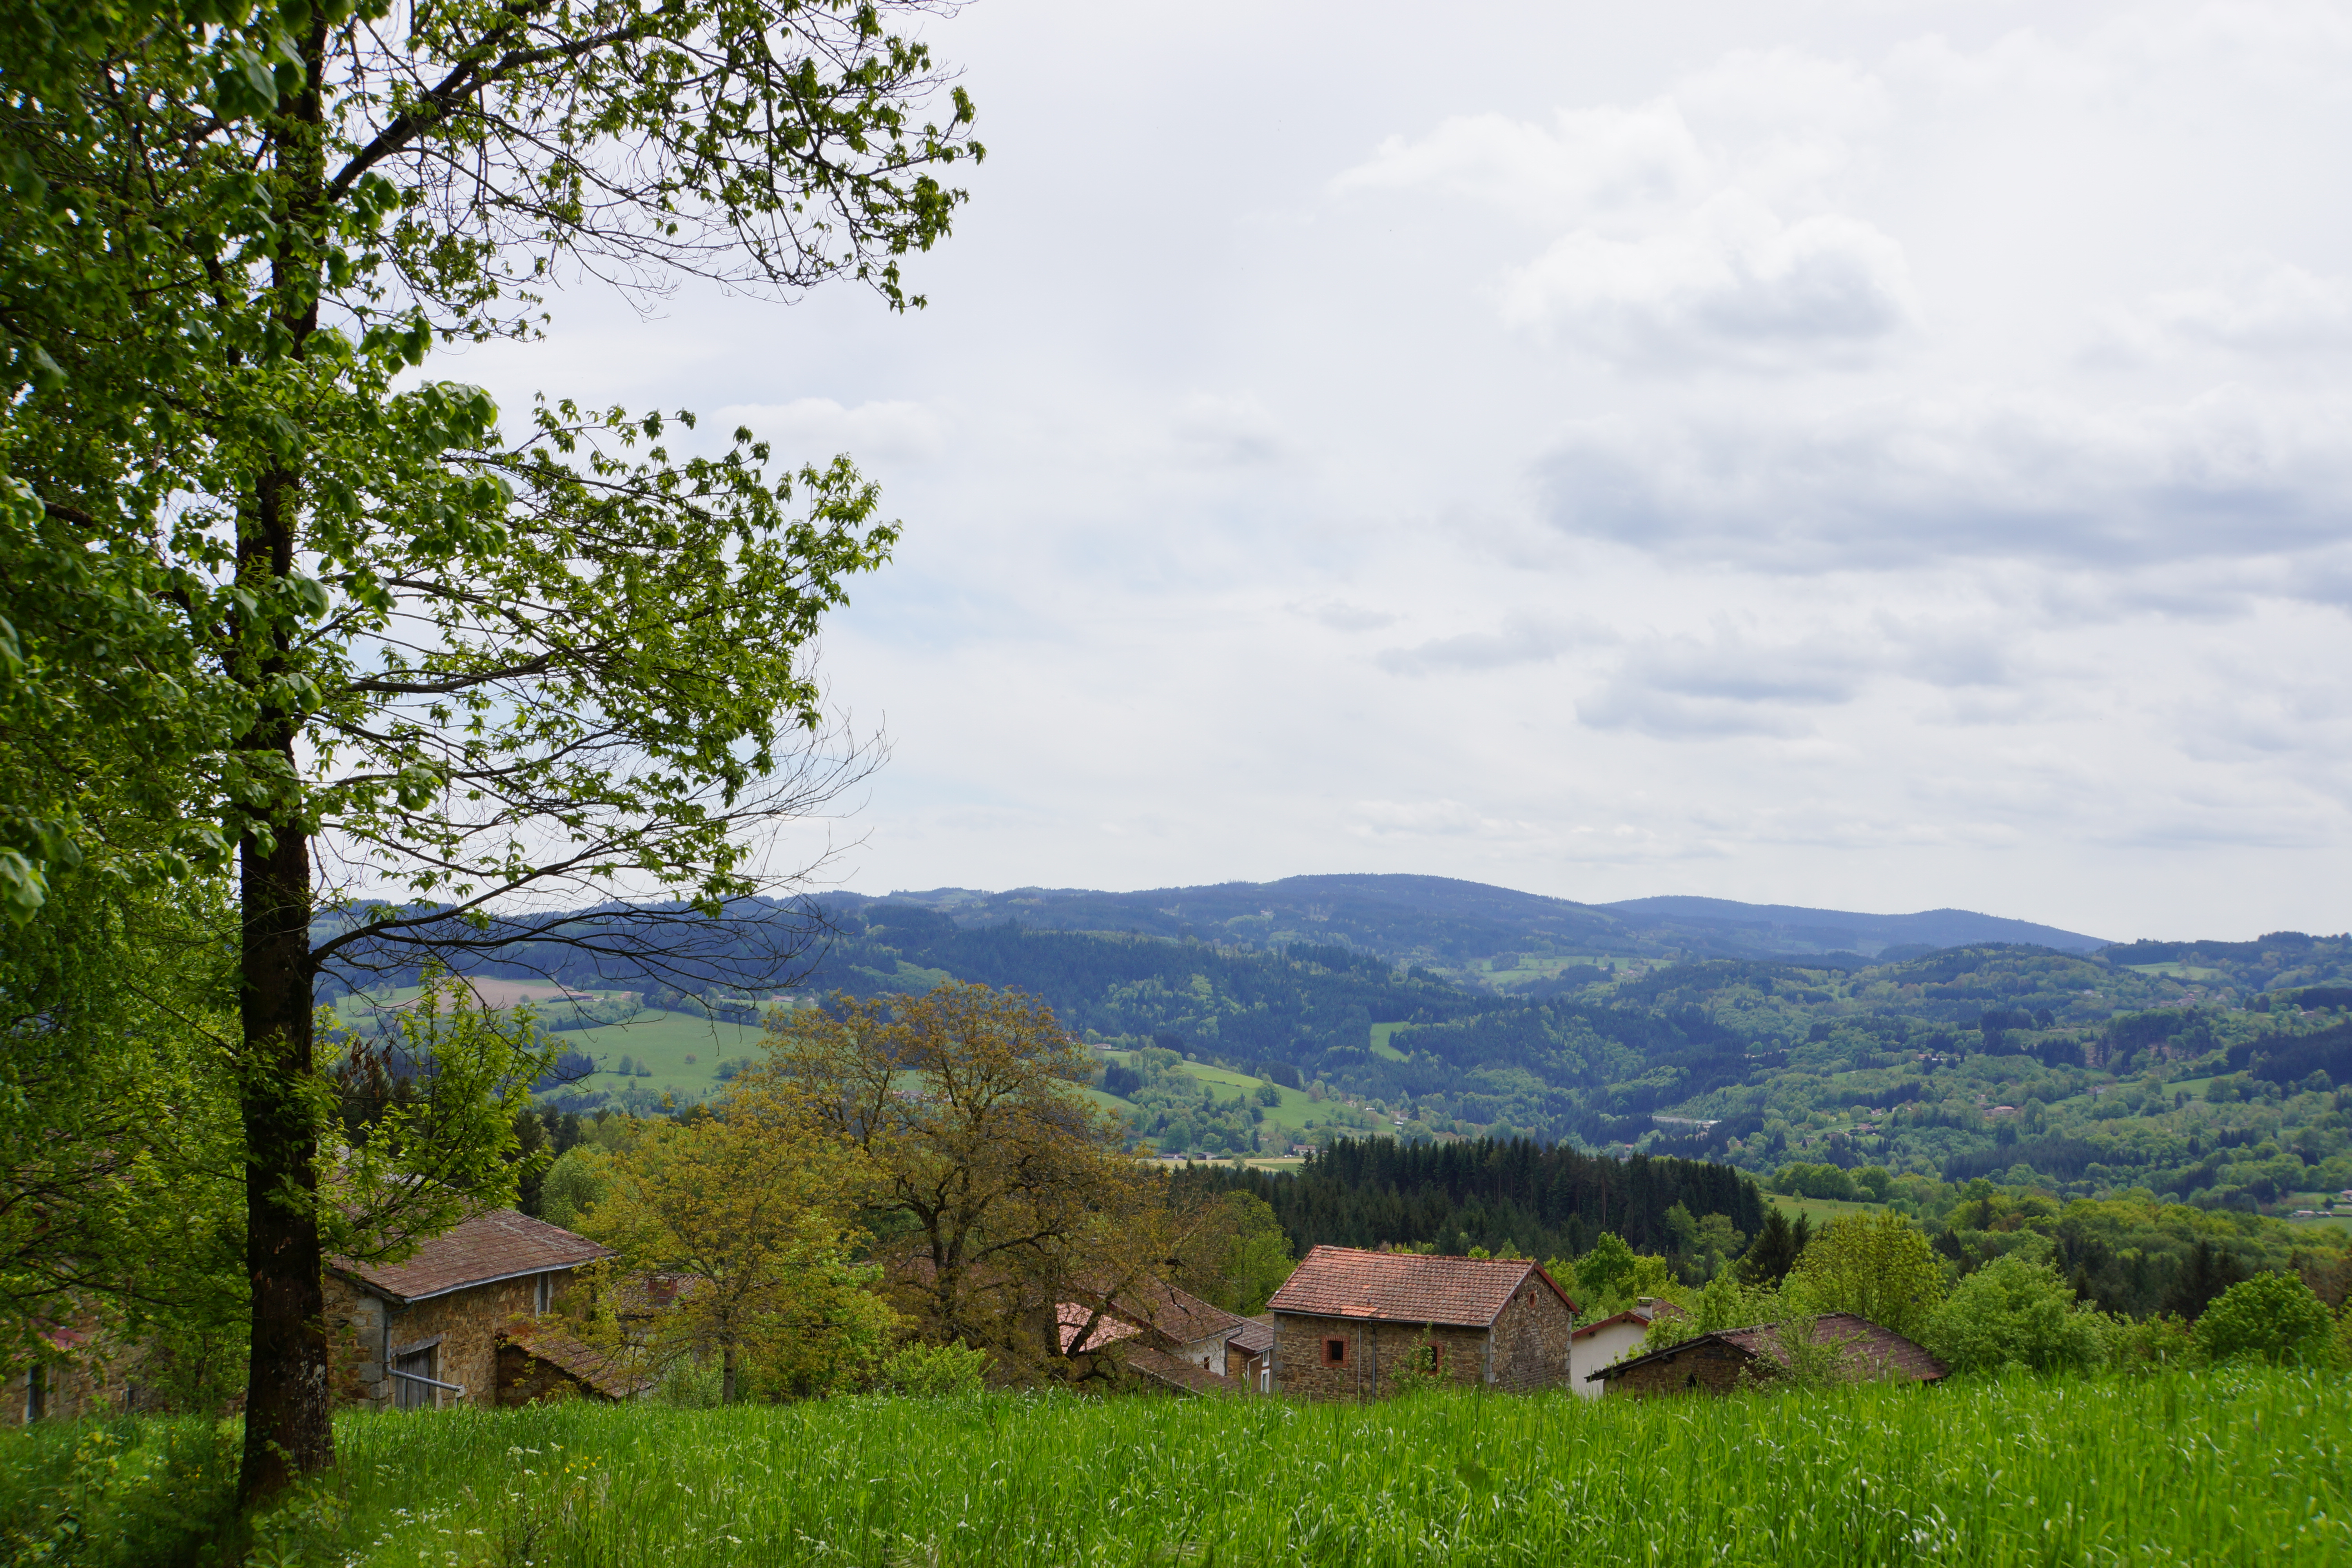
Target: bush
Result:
[2147, 1345]
[2272, 1317]
[2012, 1312]
[936, 1371]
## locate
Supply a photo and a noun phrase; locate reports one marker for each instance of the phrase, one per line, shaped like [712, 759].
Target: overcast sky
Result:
[1879, 455]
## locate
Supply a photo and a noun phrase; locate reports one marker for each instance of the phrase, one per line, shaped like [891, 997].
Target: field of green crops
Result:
[2240, 1467]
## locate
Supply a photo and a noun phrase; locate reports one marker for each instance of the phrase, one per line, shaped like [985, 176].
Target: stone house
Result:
[427, 1332]
[1249, 1352]
[1608, 1340]
[1170, 1336]
[1717, 1362]
[1348, 1321]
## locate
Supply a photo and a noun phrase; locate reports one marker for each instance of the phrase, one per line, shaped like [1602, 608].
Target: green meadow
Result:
[1823, 1210]
[2243, 1467]
[683, 1050]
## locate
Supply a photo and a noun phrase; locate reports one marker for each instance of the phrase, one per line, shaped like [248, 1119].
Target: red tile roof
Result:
[500, 1244]
[1868, 1350]
[1072, 1318]
[1252, 1337]
[1175, 1372]
[1407, 1288]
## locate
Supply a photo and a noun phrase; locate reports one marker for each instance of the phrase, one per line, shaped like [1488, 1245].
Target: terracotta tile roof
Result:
[1072, 1318]
[610, 1373]
[1870, 1351]
[1252, 1337]
[1407, 1288]
[1177, 1373]
[500, 1244]
[1182, 1317]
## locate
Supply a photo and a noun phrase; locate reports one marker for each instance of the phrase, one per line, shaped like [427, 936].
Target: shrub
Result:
[935, 1371]
[2272, 1317]
[2012, 1312]
[2147, 1345]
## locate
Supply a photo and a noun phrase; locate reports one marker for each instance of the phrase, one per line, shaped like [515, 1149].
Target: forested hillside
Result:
[1544, 1201]
[2203, 1070]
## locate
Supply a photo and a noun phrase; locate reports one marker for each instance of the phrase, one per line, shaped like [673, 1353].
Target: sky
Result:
[1880, 456]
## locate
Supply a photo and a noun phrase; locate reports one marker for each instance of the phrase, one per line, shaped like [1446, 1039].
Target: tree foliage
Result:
[999, 1191]
[2014, 1311]
[2271, 1317]
[741, 1227]
[373, 640]
[1881, 1268]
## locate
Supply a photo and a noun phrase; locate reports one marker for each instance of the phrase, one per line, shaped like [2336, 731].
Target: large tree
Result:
[999, 1191]
[427, 683]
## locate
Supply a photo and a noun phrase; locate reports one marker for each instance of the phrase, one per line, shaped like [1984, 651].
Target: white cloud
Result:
[1902, 483]
[2273, 311]
[1671, 246]
[1516, 641]
[1341, 616]
[1227, 430]
[1726, 281]
[1587, 160]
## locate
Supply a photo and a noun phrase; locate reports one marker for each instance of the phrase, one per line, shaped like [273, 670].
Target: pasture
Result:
[2242, 1467]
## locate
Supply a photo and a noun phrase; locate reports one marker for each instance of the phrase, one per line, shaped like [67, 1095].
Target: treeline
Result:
[1545, 1200]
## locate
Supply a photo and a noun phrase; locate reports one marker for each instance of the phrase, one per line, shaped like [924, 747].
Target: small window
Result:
[1436, 1356]
[1335, 1352]
[545, 1296]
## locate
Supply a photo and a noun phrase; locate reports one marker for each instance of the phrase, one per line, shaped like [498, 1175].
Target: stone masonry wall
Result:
[1375, 1352]
[1714, 1366]
[467, 1323]
[1531, 1340]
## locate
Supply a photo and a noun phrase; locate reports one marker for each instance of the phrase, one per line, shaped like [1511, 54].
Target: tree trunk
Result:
[287, 1431]
[727, 1373]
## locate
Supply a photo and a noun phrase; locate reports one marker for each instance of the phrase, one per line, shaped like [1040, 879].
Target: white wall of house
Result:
[1589, 1353]
[1208, 1354]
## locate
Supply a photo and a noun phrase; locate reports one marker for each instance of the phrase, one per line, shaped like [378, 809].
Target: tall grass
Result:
[2238, 1468]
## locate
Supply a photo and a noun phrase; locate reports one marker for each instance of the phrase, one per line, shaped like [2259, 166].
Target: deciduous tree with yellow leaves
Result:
[734, 1238]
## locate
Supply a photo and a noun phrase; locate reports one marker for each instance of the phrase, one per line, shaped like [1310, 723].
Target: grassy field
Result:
[684, 1049]
[2238, 1468]
[1823, 1210]
[1291, 1116]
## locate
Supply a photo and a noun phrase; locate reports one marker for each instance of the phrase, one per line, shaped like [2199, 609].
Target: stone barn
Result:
[426, 1332]
[1720, 1361]
[1348, 1321]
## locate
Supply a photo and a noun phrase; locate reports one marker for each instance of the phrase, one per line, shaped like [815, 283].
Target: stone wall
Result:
[524, 1379]
[1707, 1366]
[1375, 1352]
[68, 1390]
[463, 1326]
[1531, 1340]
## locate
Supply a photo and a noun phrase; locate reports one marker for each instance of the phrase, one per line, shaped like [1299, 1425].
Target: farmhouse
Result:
[427, 1332]
[1596, 1344]
[1173, 1336]
[1715, 1362]
[1348, 1321]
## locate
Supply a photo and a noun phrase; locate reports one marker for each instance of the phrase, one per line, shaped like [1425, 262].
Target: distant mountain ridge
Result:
[1451, 923]
[1929, 927]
